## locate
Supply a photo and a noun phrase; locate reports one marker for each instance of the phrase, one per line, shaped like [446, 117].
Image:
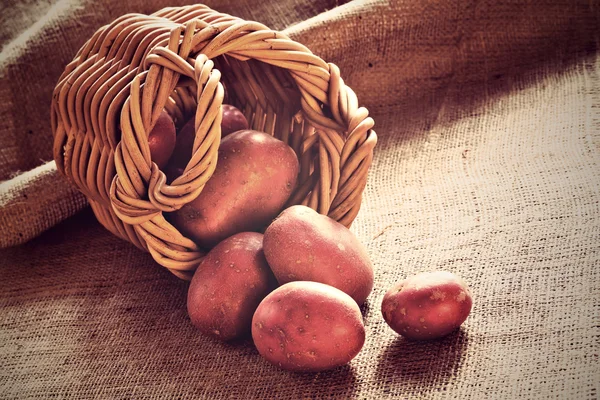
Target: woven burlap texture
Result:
[487, 166]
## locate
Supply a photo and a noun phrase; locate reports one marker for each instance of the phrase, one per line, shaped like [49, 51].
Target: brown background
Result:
[487, 166]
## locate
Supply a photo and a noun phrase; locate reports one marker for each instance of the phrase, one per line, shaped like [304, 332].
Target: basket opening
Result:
[269, 98]
[262, 92]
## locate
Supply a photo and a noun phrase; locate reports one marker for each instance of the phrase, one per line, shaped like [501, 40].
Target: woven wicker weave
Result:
[109, 97]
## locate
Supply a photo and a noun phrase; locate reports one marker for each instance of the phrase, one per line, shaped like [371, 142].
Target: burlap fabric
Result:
[487, 165]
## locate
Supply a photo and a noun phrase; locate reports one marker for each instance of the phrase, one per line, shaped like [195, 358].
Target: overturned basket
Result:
[109, 97]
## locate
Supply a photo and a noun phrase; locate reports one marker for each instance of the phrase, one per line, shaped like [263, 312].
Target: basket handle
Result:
[135, 171]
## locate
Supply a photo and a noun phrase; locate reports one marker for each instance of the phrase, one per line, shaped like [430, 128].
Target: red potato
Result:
[303, 245]
[428, 305]
[233, 120]
[182, 153]
[161, 139]
[228, 286]
[308, 326]
[255, 175]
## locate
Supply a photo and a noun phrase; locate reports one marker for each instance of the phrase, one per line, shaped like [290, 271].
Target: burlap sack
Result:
[409, 51]
[487, 166]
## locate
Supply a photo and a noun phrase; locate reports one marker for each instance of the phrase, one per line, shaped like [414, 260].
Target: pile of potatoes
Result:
[297, 287]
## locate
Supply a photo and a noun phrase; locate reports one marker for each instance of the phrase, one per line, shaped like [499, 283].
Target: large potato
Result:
[308, 326]
[228, 285]
[428, 305]
[302, 245]
[254, 177]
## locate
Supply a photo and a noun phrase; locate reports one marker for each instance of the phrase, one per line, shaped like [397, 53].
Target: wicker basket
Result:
[109, 97]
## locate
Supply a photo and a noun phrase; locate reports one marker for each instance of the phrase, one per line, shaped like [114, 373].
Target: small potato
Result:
[228, 285]
[182, 153]
[233, 120]
[428, 305]
[303, 245]
[255, 175]
[308, 326]
[161, 139]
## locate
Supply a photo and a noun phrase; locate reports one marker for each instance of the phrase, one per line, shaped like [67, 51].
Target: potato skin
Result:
[161, 139]
[303, 245]
[182, 153]
[255, 175]
[308, 326]
[233, 120]
[428, 305]
[228, 285]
